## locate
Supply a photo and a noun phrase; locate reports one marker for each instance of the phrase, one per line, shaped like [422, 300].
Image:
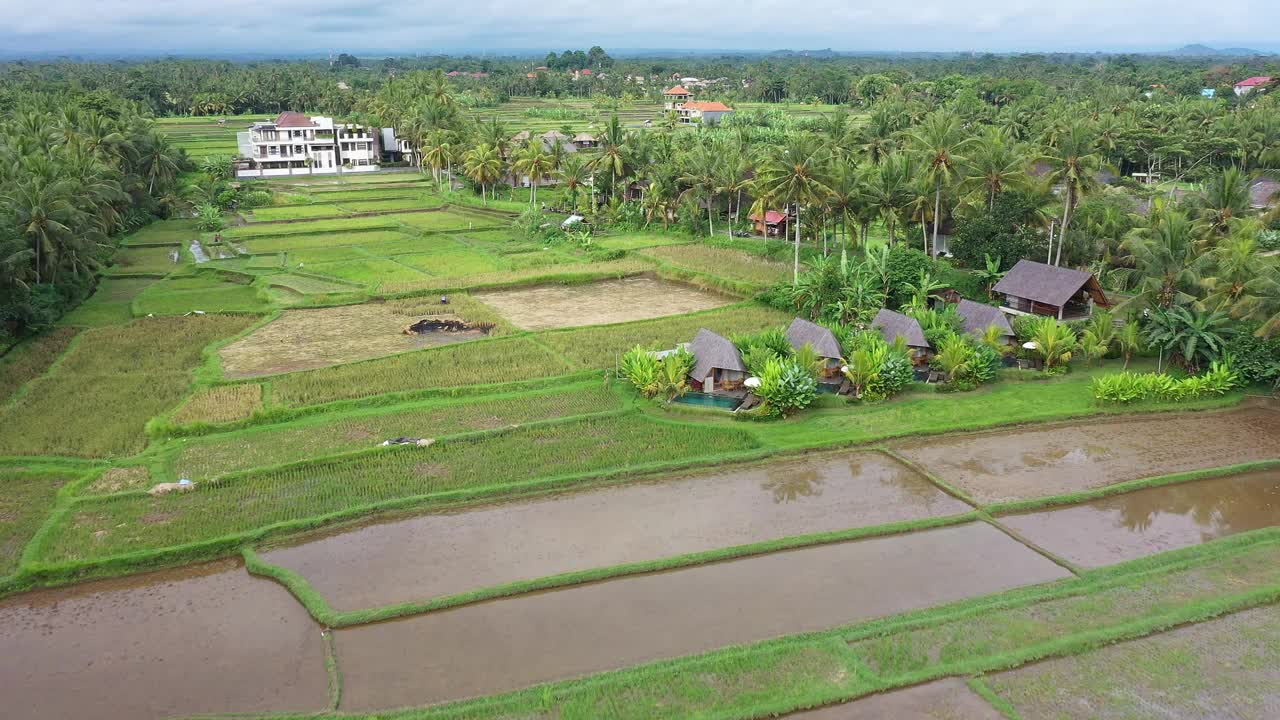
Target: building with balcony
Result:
[679, 100]
[1033, 288]
[295, 144]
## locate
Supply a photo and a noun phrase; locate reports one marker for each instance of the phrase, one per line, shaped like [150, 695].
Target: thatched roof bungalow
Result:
[1033, 288]
[824, 343]
[717, 363]
[977, 317]
[893, 325]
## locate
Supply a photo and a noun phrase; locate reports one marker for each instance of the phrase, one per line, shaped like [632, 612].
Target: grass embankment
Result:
[134, 527]
[26, 499]
[98, 398]
[31, 359]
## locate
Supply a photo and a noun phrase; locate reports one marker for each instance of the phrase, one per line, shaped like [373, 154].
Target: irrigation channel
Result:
[213, 638]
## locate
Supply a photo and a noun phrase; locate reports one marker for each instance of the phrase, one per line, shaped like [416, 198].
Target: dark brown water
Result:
[204, 639]
[512, 643]
[949, 699]
[1149, 521]
[1031, 463]
[433, 555]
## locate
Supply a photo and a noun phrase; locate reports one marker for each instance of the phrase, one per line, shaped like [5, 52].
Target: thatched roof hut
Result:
[714, 352]
[1040, 289]
[977, 317]
[894, 325]
[824, 342]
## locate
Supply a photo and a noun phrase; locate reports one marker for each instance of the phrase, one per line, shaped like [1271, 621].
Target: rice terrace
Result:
[816, 386]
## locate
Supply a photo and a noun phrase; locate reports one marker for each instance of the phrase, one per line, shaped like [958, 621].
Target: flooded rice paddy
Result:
[1128, 526]
[612, 301]
[515, 642]
[204, 639]
[434, 555]
[1038, 462]
[949, 699]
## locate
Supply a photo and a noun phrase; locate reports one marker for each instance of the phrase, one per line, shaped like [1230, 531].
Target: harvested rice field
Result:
[601, 303]
[316, 338]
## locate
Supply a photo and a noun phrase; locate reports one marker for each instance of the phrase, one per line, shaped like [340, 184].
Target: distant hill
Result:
[1198, 50]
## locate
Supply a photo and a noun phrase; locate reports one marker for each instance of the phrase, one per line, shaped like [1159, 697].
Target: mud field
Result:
[949, 699]
[612, 301]
[1224, 668]
[520, 641]
[204, 639]
[433, 555]
[316, 338]
[1149, 521]
[1038, 462]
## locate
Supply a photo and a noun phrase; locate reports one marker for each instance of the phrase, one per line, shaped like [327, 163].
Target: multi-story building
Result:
[678, 100]
[294, 144]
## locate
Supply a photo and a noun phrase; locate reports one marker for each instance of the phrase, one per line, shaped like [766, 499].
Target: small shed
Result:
[977, 317]
[773, 224]
[584, 140]
[522, 136]
[824, 343]
[1033, 288]
[717, 363]
[554, 136]
[893, 325]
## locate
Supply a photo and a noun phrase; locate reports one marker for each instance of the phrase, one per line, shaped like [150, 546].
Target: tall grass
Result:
[222, 404]
[213, 456]
[26, 498]
[304, 492]
[99, 398]
[722, 262]
[31, 359]
[502, 360]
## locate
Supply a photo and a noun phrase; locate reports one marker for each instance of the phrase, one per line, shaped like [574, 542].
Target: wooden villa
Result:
[773, 224]
[822, 340]
[977, 317]
[1033, 288]
[893, 325]
[717, 363]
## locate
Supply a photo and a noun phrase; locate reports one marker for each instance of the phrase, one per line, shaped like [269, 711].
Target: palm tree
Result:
[699, 176]
[1192, 339]
[1164, 255]
[939, 141]
[483, 165]
[886, 188]
[159, 161]
[534, 163]
[1055, 341]
[573, 175]
[615, 153]
[1236, 276]
[996, 164]
[794, 175]
[1076, 163]
[1224, 199]
[1129, 339]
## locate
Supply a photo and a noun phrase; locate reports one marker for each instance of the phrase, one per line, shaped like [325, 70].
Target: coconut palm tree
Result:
[1236, 276]
[1076, 164]
[1164, 255]
[940, 143]
[1224, 199]
[483, 165]
[795, 174]
[886, 188]
[535, 164]
[699, 176]
[573, 175]
[996, 164]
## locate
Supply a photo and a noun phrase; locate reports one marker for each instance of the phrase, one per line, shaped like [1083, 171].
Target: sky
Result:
[319, 26]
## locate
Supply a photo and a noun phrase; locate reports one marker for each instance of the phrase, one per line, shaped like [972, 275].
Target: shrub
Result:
[1124, 387]
[786, 387]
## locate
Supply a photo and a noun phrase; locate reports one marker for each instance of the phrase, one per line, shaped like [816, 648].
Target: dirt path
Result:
[434, 555]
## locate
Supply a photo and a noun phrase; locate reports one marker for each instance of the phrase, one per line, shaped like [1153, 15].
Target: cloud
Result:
[320, 25]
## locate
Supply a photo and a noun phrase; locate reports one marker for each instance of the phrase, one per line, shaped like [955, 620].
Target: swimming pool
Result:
[723, 402]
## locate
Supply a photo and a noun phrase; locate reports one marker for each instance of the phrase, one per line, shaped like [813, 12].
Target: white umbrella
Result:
[752, 382]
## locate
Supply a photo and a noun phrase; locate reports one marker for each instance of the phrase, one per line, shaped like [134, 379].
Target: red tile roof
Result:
[1254, 81]
[586, 71]
[294, 120]
[771, 217]
[708, 106]
[677, 90]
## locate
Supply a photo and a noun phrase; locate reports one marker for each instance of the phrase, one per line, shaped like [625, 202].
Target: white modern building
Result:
[295, 144]
[679, 100]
